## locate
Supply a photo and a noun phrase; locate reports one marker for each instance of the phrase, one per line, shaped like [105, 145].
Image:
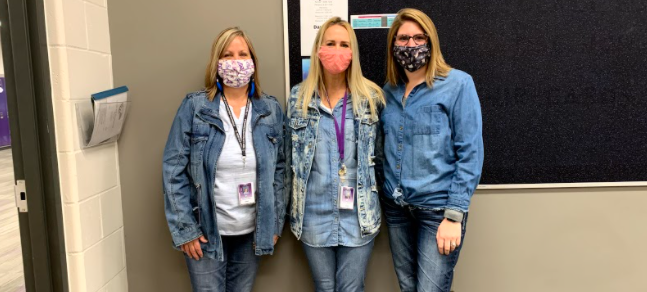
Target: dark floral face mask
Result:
[412, 58]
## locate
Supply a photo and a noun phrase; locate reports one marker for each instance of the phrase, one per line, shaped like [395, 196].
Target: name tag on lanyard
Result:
[246, 194]
[346, 197]
[346, 194]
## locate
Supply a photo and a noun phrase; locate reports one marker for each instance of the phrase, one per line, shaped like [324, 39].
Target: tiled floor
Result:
[11, 276]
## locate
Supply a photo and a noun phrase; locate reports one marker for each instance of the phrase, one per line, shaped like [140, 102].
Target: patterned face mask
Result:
[412, 58]
[236, 73]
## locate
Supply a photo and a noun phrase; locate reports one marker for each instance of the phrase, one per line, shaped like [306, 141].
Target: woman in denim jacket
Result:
[330, 139]
[433, 154]
[223, 171]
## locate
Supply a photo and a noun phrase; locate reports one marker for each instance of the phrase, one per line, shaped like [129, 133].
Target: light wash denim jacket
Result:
[300, 141]
[325, 224]
[189, 169]
[433, 144]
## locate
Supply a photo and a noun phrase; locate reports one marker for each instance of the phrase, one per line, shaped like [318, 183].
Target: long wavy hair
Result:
[362, 90]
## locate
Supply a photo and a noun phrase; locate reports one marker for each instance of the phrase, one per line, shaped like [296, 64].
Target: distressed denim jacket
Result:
[189, 169]
[300, 140]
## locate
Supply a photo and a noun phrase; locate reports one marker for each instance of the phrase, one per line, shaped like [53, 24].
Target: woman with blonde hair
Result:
[433, 154]
[330, 141]
[223, 171]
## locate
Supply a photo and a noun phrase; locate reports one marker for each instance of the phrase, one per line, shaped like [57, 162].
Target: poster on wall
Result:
[305, 68]
[313, 14]
[368, 21]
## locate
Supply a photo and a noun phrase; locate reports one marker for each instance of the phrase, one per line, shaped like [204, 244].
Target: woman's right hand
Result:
[192, 248]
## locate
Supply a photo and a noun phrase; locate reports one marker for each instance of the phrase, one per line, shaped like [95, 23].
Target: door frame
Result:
[29, 99]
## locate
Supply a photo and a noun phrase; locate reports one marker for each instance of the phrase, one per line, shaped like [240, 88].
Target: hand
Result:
[448, 232]
[276, 238]
[192, 248]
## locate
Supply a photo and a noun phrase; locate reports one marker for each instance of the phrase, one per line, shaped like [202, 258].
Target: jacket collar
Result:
[210, 110]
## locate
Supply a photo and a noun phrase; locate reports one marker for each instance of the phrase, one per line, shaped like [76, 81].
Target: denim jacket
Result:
[300, 140]
[433, 144]
[189, 169]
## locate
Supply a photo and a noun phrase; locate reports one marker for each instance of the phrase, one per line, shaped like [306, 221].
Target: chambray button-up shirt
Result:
[324, 224]
[433, 145]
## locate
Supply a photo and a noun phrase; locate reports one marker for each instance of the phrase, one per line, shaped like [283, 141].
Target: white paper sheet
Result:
[109, 117]
[313, 14]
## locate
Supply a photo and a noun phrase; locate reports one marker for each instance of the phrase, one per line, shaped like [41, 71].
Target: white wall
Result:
[1, 63]
[81, 64]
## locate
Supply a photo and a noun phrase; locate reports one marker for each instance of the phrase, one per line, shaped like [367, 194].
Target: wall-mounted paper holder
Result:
[101, 119]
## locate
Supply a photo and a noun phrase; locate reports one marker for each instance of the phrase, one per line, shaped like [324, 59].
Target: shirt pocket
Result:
[349, 130]
[425, 148]
[434, 117]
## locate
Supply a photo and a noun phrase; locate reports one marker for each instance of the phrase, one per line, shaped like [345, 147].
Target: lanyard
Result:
[340, 132]
[241, 140]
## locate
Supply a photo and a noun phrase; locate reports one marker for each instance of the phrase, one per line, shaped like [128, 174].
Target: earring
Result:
[218, 85]
[251, 92]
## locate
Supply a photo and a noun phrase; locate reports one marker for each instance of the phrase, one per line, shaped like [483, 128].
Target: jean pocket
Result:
[391, 209]
[429, 218]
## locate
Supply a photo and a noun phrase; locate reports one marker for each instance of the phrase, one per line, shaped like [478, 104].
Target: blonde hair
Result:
[218, 47]
[361, 88]
[436, 65]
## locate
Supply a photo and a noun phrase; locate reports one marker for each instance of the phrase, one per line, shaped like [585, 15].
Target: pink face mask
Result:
[335, 60]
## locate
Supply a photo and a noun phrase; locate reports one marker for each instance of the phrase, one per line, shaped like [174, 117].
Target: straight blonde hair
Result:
[220, 44]
[436, 65]
[361, 88]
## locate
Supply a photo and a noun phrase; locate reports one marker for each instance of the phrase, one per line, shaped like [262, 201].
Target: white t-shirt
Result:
[233, 218]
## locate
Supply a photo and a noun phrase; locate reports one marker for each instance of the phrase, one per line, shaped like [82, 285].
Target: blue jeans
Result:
[235, 274]
[412, 235]
[339, 268]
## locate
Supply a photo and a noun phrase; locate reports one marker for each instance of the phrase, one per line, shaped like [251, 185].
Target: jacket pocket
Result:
[196, 154]
[272, 146]
[298, 123]
[196, 208]
[298, 137]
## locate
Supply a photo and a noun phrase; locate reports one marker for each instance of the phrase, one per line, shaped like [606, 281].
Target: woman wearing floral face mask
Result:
[223, 171]
[332, 124]
[433, 152]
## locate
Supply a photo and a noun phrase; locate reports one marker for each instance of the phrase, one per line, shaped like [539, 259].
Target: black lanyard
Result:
[241, 140]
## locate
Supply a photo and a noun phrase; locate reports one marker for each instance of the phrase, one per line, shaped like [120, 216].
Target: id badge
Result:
[246, 194]
[346, 198]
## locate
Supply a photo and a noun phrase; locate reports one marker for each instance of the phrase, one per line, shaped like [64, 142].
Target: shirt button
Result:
[399, 146]
[397, 166]
[401, 128]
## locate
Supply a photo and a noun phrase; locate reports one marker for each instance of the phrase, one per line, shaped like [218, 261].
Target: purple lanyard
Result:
[340, 133]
